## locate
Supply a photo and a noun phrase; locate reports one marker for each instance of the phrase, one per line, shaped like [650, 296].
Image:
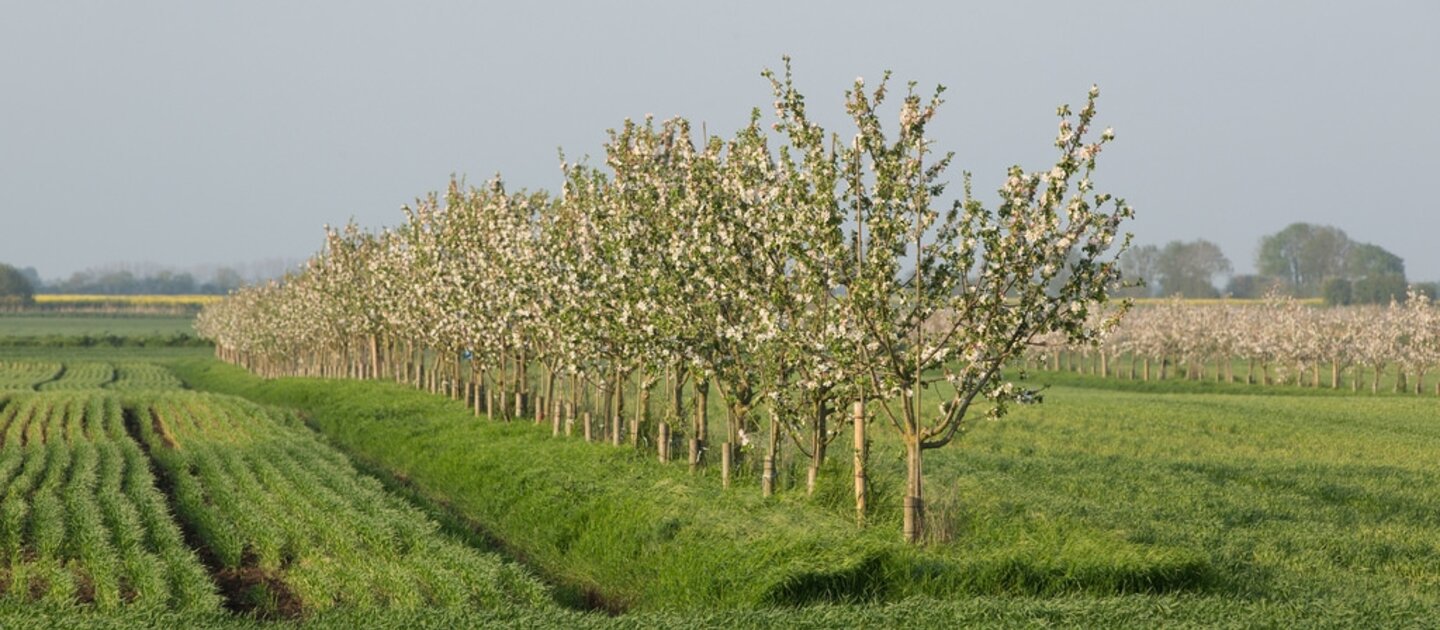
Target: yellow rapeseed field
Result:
[128, 300]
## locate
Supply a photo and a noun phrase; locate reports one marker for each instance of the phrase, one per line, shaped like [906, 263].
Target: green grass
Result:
[81, 522]
[101, 353]
[1173, 503]
[64, 325]
[1101, 505]
[292, 529]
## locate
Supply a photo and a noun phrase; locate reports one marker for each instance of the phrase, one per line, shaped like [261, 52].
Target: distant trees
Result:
[15, 288]
[1321, 260]
[1184, 268]
[1139, 268]
[1303, 255]
[1250, 286]
[126, 282]
[1189, 268]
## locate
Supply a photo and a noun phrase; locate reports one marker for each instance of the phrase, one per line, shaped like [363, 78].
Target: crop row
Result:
[85, 375]
[15, 375]
[133, 376]
[75, 376]
[81, 520]
[294, 528]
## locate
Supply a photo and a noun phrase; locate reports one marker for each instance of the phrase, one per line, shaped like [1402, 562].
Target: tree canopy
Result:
[1189, 268]
[1305, 257]
[15, 288]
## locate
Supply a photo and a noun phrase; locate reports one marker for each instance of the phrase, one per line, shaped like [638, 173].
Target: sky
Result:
[193, 133]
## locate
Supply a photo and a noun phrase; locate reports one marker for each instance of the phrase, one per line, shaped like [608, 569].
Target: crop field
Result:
[68, 325]
[293, 527]
[81, 521]
[140, 376]
[79, 376]
[84, 375]
[15, 375]
[123, 496]
[62, 299]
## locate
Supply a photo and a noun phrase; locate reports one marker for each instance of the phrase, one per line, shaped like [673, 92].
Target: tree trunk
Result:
[490, 402]
[817, 445]
[477, 378]
[861, 455]
[455, 386]
[552, 401]
[662, 441]
[702, 423]
[616, 434]
[727, 459]
[1335, 374]
[772, 449]
[914, 505]
[573, 411]
[641, 423]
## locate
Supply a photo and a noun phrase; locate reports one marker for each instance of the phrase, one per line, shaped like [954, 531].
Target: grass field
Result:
[1101, 506]
[1114, 503]
[62, 325]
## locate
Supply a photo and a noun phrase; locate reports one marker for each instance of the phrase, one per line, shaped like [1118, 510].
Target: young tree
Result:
[988, 268]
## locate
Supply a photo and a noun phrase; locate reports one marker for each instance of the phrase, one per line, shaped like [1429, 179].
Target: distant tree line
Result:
[124, 282]
[16, 289]
[18, 286]
[1303, 260]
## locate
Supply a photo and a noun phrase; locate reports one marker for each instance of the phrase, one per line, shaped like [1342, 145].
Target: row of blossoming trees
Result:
[1277, 341]
[792, 274]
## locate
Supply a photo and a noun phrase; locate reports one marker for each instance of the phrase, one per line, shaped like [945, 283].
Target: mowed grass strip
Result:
[81, 522]
[293, 530]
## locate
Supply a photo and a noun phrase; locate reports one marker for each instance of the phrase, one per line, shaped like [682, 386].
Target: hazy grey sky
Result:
[198, 132]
